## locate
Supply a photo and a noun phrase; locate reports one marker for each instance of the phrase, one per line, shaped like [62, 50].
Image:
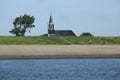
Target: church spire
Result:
[51, 19]
[51, 27]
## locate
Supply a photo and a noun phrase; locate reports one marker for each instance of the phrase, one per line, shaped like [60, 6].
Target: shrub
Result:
[86, 34]
[44, 35]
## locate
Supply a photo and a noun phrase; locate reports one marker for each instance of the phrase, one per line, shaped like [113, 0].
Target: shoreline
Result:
[92, 56]
[59, 52]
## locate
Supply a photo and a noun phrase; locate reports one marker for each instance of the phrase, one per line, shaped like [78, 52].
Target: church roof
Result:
[64, 33]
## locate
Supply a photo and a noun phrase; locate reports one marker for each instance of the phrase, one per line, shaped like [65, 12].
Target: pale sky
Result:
[99, 17]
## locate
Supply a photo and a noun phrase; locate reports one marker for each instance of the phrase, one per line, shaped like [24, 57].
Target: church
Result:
[53, 32]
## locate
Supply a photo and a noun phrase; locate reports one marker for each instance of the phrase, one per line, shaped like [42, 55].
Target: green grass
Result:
[95, 40]
[30, 40]
[44, 40]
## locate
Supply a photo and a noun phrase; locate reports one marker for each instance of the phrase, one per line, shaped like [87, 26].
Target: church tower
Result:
[51, 27]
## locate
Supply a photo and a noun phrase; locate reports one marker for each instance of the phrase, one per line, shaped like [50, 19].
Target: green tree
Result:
[22, 24]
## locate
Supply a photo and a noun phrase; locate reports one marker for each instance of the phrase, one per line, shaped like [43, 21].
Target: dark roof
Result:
[64, 33]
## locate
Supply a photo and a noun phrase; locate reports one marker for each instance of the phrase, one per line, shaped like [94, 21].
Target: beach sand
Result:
[59, 51]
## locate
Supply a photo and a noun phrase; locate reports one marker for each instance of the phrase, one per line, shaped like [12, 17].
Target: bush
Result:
[86, 34]
[44, 35]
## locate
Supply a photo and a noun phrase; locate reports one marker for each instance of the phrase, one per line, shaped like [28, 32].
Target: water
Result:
[64, 69]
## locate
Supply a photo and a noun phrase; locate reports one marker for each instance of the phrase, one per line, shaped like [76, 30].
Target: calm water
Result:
[74, 69]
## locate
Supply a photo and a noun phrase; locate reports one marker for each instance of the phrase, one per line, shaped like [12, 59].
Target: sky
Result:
[99, 17]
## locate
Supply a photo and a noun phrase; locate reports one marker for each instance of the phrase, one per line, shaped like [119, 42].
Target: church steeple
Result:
[51, 27]
[51, 19]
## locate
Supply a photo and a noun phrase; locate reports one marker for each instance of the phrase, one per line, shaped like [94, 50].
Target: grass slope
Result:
[44, 40]
[30, 40]
[95, 40]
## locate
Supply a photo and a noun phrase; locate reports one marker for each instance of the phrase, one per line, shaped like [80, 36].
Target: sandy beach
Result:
[58, 51]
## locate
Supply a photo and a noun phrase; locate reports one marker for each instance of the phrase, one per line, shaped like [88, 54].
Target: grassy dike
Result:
[44, 40]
